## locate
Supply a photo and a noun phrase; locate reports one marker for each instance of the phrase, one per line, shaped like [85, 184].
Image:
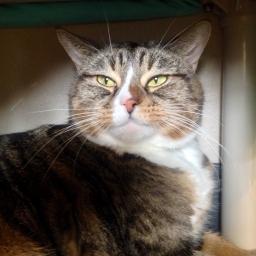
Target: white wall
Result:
[239, 137]
[36, 73]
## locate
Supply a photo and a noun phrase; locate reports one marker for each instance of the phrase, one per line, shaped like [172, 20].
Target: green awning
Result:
[85, 11]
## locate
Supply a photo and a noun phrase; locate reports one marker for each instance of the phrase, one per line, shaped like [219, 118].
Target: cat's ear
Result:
[77, 49]
[191, 42]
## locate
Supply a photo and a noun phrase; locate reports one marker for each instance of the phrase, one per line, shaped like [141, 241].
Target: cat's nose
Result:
[130, 104]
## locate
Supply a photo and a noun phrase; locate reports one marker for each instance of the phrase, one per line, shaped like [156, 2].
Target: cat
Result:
[126, 175]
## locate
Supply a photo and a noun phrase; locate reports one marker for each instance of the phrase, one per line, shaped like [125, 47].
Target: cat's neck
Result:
[159, 149]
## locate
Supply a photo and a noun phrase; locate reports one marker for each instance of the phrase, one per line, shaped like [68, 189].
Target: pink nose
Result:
[130, 104]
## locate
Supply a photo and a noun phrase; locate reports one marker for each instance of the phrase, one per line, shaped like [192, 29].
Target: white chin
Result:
[131, 132]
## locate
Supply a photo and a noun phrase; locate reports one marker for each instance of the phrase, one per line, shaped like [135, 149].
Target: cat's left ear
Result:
[191, 43]
[77, 49]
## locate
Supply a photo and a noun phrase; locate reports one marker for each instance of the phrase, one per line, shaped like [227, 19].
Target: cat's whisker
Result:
[51, 110]
[82, 128]
[90, 119]
[199, 128]
[73, 126]
[180, 111]
[90, 116]
[192, 129]
[190, 104]
[206, 137]
[196, 111]
[65, 109]
[85, 116]
[78, 152]
[189, 124]
[100, 127]
[60, 132]
[80, 148]
[65, 144]
[168, 124]
[87, 124]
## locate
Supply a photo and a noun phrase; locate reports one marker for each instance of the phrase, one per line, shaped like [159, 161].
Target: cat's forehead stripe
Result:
[151, 61]
[120, 57]
[141, 58]
[112, 63]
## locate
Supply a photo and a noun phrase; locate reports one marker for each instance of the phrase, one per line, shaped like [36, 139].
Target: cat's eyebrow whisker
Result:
[172, 40]
[109, 38]
[155, 53]
[166, 31]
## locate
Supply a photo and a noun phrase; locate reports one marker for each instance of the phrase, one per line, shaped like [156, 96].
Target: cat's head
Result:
[126, 94]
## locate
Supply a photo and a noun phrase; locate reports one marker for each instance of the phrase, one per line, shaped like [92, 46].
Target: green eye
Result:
[157, 81]
[106, 81]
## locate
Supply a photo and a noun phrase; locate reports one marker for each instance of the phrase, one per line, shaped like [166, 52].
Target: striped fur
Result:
[92, 203]
[113, 182]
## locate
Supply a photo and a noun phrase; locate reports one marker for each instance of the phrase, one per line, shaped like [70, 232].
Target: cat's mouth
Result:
[129, 127]
[131, 121]
[131, 130]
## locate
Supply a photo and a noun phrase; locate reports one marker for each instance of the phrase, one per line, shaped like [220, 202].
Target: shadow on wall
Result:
[27, 57]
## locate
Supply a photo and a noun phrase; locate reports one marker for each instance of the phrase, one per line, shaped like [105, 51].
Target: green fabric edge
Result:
[79, 12]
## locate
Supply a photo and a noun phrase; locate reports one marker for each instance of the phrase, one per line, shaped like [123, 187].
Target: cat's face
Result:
[129, 93]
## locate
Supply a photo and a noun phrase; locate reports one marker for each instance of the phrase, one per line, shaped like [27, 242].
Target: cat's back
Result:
[19, 147]
[20, 230]
[43, 195]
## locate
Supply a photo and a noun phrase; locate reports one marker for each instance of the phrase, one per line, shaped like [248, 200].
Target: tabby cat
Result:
[126, 175]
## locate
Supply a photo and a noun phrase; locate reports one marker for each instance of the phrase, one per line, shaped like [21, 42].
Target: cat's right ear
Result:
[77, 49]
[191, 42]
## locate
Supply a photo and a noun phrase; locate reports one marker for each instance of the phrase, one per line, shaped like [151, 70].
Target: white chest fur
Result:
[185, 156]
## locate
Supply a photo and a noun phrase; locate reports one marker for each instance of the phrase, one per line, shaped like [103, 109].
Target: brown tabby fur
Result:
[64, 195]
[91, 203]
